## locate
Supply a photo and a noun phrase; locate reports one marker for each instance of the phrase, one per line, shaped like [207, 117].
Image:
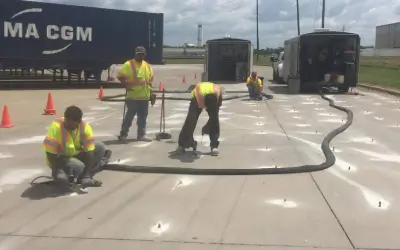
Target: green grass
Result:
[383, 71]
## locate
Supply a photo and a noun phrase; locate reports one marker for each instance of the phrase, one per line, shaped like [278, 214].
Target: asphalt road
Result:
[351, 205]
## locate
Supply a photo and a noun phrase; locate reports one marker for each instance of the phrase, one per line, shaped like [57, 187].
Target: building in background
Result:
[388, 36]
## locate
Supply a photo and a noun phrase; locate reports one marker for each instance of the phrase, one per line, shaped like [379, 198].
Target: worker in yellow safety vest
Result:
[71, 152]
[206, 95]
[137, 74]
[255, 86]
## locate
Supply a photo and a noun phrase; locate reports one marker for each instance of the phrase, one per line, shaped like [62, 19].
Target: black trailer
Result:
[325, 57]
[228, 59]
[38, 35]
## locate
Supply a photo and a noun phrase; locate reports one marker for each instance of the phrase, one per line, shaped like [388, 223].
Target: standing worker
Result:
[137, 74]
[71, 151]
[206, 95]
[255, 86]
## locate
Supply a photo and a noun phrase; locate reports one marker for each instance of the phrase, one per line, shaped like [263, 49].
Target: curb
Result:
[380, 89]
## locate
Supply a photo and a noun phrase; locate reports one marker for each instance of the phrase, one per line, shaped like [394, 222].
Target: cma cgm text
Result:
[53, 32]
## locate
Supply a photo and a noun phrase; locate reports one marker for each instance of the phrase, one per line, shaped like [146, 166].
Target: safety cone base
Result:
[49, 112]
[7, 126]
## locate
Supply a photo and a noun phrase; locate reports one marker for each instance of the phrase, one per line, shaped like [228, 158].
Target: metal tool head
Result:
[163, 136]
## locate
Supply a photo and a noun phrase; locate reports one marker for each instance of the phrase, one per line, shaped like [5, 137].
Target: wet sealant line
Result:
[329, 155]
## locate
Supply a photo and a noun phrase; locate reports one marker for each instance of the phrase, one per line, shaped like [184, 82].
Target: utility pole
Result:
[298, 17]
[323, 14]
[258, 38]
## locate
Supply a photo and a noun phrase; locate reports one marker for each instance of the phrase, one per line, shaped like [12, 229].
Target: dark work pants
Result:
[186, 139]
[139, 107]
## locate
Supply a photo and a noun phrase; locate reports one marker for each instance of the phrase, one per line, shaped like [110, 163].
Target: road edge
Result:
[379, 88]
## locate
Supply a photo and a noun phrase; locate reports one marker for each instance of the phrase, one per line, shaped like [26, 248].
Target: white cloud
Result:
[277, 17]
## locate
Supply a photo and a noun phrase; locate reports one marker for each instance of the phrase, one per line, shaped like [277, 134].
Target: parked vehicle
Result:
[277, 66]
[324, 57]
[57, 36]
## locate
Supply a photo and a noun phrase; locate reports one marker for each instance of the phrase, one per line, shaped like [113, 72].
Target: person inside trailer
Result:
[71, 150]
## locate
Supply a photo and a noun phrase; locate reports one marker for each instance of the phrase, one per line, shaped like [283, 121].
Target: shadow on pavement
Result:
[45, 190]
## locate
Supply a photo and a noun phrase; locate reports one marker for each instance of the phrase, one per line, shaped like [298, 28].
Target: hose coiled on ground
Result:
[329, 156]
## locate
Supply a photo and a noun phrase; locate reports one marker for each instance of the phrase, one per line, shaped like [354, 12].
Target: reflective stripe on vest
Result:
[136, 82]
[62, 145]
[200, 97]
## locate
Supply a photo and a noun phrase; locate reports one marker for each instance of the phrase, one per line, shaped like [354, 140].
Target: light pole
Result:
[323, 14]
[298, 17]
[258, 38]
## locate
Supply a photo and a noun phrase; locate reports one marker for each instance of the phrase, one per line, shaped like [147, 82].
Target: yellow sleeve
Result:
[151, 73]
[248, 80]
[123, 71]
[88, 143]
[259, 82]
[50, 143]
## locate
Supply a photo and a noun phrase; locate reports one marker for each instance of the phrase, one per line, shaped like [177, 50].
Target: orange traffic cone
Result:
[5, 119]
[101, 93]
[184, 79]
[161, 86]
[50, 109]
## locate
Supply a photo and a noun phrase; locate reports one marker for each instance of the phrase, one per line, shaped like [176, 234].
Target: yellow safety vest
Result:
[61, 142]
[140, 75]
[256, 83]
[204, 88]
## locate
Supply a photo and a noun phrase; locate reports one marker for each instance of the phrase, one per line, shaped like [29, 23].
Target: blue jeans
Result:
[139, 107]
[75, 165]
[251, 90]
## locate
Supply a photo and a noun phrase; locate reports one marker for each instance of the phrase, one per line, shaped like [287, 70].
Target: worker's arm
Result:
[88, 148]
[248, 81]
[151, 75]
[51, 146]
[260, 84]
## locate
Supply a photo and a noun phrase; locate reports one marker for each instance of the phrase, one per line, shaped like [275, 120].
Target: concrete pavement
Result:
[351, 205]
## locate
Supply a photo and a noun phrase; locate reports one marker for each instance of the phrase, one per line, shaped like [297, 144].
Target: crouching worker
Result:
[255, 86]
[71, 152]
[206, 95]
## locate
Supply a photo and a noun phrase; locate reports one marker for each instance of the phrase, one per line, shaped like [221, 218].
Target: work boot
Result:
[122, 138]
[180, 150]
[144, 138]
[90, 182]
[214, 151]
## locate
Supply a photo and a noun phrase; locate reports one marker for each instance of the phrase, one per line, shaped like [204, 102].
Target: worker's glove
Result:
[153, 99]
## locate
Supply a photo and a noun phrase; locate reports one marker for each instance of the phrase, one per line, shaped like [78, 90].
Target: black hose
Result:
[329, 158]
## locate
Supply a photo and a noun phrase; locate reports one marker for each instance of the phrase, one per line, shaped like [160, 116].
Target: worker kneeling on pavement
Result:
[206, 95]
[71, 152]
[255, 86]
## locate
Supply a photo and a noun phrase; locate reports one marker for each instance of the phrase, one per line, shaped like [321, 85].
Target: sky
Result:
[277, 18]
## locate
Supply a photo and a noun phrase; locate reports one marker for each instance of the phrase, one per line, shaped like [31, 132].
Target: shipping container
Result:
[387, 36]
[228, 59]
[46, 35]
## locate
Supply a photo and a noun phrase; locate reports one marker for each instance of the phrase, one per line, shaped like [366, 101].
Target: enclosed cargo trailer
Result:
[325, 57]
[57, 36]
[228, 59]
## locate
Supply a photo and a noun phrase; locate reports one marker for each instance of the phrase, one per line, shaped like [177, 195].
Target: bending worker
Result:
[137, 74]
[255, 86]
[206, 95]
[71, 151]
